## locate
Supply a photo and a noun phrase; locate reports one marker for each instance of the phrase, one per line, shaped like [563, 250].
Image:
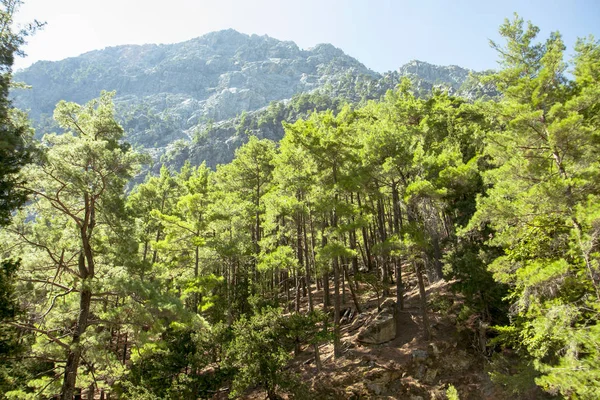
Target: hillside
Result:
[174, 92]
[435, 241]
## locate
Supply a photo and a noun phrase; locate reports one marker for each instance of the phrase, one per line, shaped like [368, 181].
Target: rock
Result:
[354, 396]
[420, 372]
[382, 329]
[375, 388]
[430, 375]
[419, 355]
[389, 305]
[457, 361]
[359, 321]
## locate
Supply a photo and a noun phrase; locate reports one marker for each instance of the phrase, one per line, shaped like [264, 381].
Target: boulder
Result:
[380, 330]
[388, 305]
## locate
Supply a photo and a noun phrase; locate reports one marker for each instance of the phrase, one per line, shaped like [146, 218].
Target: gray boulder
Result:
[380, 330]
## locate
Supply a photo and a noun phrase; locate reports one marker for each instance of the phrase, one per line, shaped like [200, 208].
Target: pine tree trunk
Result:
[300, 257]
[125, 349]
[307, 265]
[437, 258]
[336, 309]
[91, 391]
[353, 247]
[365, 236]
[271, 395]
[196, 275]
[352, 239]
[396, 208]
[383, 238]
[352, 290]
[399, 297]
[298, 280]
[70, 375]
[317, 358]
[158, 230]
[326, 299]
[337, 351]
[423, 300]
[344, 276]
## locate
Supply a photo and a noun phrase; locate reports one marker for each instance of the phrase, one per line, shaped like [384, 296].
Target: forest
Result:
[199, 283]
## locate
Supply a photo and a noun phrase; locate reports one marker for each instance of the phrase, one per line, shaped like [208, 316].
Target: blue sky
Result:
[382, 34]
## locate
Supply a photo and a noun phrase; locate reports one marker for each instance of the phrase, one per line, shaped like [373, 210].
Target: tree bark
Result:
[352, 290]
[399, 297]
[337, 351]
[423, 299]
[336, 309]
[437, 258]
[307, 265]
[326, 299]
[365, 236]
[74, 354]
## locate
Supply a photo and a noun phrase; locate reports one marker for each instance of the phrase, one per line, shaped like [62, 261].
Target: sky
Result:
[382, 34]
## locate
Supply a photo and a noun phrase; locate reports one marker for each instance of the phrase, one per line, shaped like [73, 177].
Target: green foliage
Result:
[452, 393]
[14, 131]
[173, 367]
[281, 258]
[185, 275]
[8, 308]
[546, 171]
[515, 374]
[334, 249]
[310, 328]
[69, 239]
[467, 262]
[259, 355]
[9, 338]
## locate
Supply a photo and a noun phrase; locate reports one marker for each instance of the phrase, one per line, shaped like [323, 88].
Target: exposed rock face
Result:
[167, 94]
[435, 74]
[380, 330]
[216, 76]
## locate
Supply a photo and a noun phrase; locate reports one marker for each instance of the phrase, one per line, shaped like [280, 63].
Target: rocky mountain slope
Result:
[196, 99]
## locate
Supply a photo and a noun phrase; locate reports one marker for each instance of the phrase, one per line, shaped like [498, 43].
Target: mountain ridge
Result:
[169, 92]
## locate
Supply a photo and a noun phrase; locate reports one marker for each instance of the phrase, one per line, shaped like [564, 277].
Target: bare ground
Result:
[408, 367]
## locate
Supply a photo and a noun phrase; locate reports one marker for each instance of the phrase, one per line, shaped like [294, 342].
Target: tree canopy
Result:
[187, 283]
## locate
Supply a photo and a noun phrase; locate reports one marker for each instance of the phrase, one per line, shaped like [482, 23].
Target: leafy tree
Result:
[249, 175]
[14, 151]
[543, 205]
[172, 367]
[258, 355]
[70, 227]
[261, 349]
[158, 194]
[328, 140]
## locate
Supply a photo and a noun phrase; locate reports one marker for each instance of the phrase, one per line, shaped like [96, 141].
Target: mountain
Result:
[187, 100]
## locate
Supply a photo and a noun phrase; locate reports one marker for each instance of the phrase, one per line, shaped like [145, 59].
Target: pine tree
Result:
[543, 205]
[77, 188]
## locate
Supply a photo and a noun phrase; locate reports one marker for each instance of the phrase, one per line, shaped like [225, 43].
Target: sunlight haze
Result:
[382, 34]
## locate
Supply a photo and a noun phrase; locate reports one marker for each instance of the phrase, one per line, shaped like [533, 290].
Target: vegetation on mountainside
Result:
[194, 279]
